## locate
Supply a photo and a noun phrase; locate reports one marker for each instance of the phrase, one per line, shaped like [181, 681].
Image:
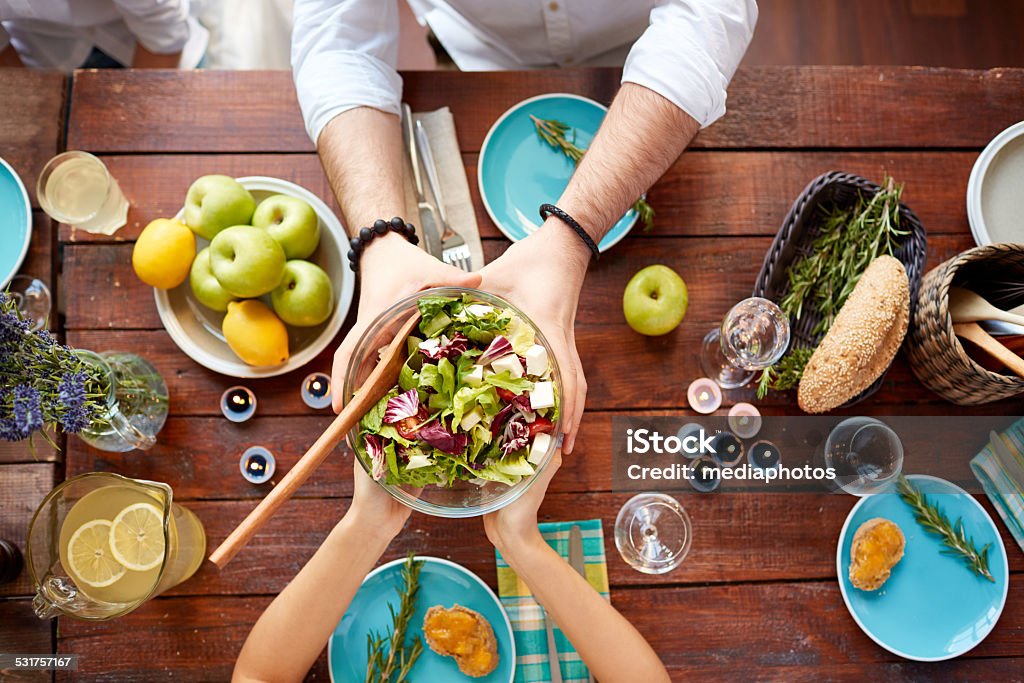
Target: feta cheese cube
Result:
[470, 419]
[479, 310]
[475, 376]
[510, 363]
[430, 344]
[543, 395]
[541, 444]
[536, 360]
[418, 461]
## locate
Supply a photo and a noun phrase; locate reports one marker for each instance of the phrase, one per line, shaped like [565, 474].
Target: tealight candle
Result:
[728, 449]
[316, 390]
[744, 420]
[238, 404]
[690, 429]
[704, 395]
[764, 455]
[705, 475]
[257, 465]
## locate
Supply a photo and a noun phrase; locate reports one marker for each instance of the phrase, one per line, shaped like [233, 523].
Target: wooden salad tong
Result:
[379, 382]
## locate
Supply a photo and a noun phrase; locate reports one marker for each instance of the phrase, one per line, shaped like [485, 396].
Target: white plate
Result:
[196, 329]
[1011, 141]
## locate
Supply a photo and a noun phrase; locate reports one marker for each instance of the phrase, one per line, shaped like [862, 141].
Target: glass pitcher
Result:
[137, 402]
[101, 544]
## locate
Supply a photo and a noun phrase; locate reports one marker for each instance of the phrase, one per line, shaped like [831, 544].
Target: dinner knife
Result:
[428, 220]
[554, 664]
[577, 562]
[433, 179]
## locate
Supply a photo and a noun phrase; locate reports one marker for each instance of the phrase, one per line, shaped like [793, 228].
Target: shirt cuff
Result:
[331, 83]
[161, 33]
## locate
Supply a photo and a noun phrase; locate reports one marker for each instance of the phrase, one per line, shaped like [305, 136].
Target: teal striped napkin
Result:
[1003, 481]
[527, 617]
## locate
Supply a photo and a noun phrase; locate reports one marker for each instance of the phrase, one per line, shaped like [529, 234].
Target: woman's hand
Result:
[543, 275]
[515, 526]
[373, 509]
[391, 269]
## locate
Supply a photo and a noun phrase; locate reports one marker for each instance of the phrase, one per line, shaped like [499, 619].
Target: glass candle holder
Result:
[764, 455]
[704, 396]
[690, 429]
[705, 474]
[744, 420]
[257, 465]
[316, 390]
[238, 404]
[728, 449]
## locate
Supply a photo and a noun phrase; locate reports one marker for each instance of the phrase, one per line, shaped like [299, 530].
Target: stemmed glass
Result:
[866, 453]
[653, 533]
[753, 336]
[33, 299]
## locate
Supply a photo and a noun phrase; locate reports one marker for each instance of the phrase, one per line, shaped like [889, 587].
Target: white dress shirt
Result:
[344, 51]
[60, 34]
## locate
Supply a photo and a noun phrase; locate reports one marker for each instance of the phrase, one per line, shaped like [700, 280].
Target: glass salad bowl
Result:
[483, 477]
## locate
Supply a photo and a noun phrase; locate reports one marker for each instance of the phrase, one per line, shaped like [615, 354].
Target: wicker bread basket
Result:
[936, 355]
[803, 224]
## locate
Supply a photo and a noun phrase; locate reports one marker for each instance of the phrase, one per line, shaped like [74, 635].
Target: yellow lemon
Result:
[90, 559]
[255, 334]
[137, 537]
[163, 253]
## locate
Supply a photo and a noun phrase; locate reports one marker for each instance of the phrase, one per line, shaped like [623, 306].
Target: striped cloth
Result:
[527, 617]
[1003, 481]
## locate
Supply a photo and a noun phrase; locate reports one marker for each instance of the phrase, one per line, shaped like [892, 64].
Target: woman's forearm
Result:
[305, 613]
[610, 646]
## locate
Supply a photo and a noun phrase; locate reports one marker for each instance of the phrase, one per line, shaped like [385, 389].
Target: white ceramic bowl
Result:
[990, 183]
[196, 329]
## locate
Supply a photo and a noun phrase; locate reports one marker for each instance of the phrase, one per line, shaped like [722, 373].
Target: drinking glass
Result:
[33, 299]
[69, 554]
[653, 533]
[76, 188]
[753, 335]
[866, 454]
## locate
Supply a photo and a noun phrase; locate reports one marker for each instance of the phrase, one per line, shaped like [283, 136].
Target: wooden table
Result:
[758, 593]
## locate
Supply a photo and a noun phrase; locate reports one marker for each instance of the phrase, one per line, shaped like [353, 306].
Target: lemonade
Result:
[112, 544]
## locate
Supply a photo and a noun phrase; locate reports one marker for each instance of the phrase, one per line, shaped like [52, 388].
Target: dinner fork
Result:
[454, 250]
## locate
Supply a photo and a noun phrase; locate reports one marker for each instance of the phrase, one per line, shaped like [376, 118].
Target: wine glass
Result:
[33, 299]
[753, 335]
[866, 453]
[653, 533]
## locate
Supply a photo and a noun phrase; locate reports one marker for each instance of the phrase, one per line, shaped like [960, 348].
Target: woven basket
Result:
[936, 355]
[803, 224]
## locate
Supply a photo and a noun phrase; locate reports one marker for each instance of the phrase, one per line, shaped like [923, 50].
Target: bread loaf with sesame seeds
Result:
[862, 341]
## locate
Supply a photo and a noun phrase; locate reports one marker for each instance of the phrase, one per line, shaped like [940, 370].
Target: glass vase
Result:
[136, 402]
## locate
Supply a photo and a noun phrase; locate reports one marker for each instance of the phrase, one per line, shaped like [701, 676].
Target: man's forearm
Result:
[642, 135]
[361, 152]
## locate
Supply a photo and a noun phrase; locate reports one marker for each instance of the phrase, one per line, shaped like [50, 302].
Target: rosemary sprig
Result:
[554, 133]
[954, 538]
[389, 658]
[786, 373]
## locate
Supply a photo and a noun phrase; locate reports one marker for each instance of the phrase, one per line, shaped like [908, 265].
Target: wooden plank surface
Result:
[22, 632]
[787, 107]
[759, 187]
[22, 487]
[32, 121]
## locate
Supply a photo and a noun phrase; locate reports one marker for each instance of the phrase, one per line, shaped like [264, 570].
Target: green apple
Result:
[290, 221]
[215, 202]
[246, 261]
[205, 286]
[305, 296]
[655, 300]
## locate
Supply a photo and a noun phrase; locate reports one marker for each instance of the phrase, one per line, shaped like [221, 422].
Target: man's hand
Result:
[514, 527]
[542, 275]
[391, 269]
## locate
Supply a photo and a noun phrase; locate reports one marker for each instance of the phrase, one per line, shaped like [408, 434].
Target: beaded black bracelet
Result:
[552, 210]
[380, 227]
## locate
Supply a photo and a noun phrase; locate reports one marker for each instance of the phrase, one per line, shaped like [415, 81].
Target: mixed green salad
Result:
[475, 400]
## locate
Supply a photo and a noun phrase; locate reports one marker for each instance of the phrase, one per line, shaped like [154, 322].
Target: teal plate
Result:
[932, 607]
[517, 171]
[15, 223]
[441, 583]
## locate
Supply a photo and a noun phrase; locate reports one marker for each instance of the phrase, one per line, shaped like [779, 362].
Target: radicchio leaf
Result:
[435, 434]
[517, 435]
[522, 404]
[402, 406]
[499, 420]
[499, 347]
[452, 348]
[375, 449]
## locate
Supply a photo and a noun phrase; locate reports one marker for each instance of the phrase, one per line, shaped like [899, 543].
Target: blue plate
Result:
[932, 607]
[441, 583]
[518, 172]
[16, 229]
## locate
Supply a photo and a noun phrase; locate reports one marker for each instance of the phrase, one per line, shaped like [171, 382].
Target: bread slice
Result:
[862, 341]
[464, 635]
[877, 547]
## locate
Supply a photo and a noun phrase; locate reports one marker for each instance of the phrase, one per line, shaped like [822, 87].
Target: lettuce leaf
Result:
[372, 421]
[520, 334]
[467, 398]
[504, 379]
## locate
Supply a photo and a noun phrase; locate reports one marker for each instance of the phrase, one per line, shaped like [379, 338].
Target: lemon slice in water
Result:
[89, 555]
[137, 537]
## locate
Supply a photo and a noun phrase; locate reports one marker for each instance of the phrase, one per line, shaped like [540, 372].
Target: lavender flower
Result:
[9, 431]
[75, 420]
[12, 328]
[71, 390]
[28, 413]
